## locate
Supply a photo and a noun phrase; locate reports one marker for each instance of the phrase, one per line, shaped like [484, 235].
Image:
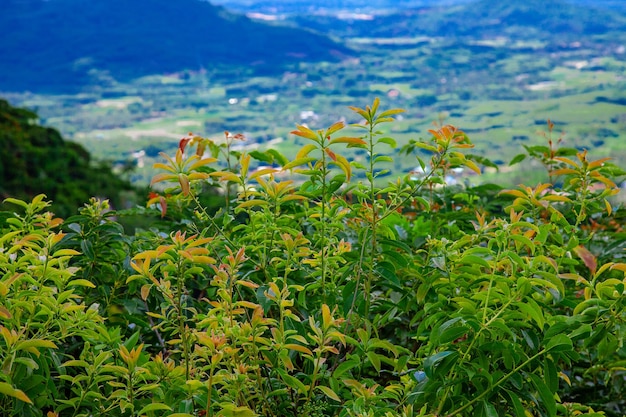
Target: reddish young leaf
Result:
[183, 144]
[587, 257]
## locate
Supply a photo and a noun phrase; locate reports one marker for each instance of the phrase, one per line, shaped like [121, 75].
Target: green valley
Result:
[500, 84]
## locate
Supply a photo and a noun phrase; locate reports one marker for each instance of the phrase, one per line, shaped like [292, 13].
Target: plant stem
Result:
[373, 220]
[497, 384]
[323, 218]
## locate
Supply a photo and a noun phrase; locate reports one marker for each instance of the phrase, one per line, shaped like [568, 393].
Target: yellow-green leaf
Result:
[335, 128]
[201, 162]
[391, 112]
[35, 343]
[154, 407]
[305, 150]
[7, 389]
[231, 410]
[348, 140]
[292, 197]
[163, 177]
[326, 317]
[471, 165]
[145, 291]
[245, 164]
[555, 197]
[261, 172]
[299, 348]
[343, 163]
[298, 162]
[226, 176]
[4, 313]
[76, 362]
[65, 252]
[329, 393]
[609, 209]
[81, 283]
[252, 203]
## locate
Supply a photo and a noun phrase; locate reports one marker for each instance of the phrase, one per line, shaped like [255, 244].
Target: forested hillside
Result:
[71, 43]
[36, 159]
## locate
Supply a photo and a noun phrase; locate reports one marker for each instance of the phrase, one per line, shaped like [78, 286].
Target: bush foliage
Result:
[309, 293]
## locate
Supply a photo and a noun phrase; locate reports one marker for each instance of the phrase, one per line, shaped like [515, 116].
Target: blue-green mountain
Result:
[554, 20]
[62, 45]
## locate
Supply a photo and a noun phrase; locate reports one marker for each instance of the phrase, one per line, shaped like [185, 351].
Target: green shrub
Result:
[311, 293]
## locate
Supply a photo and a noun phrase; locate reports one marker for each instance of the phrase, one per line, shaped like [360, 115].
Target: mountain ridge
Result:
[61, 44]
[480, 18]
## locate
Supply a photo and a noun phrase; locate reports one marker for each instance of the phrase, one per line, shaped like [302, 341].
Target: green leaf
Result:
[231, 410]
[475, 260]
[551, 375]
[389, 141]
[396, 244]
[452, 334]
[583, 332]
[547, 396]
[28, 362]
[451, 330]
[374, 359]
[291, 381]
[383, 158]
[298, 162]
[490, 410]
[559, 343]
[517, 404]
[282, 160]
[357, 165]
[524, 241]
[329, 393]
[532, 309]
[261, 156]
[432, 362]
[397, 258]
[597, 335]
[517, 159]
[87, 247]
[154, 407]
[16, 202]
[425, 146]
[345, 367]
[131, 342]
[76, 362]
